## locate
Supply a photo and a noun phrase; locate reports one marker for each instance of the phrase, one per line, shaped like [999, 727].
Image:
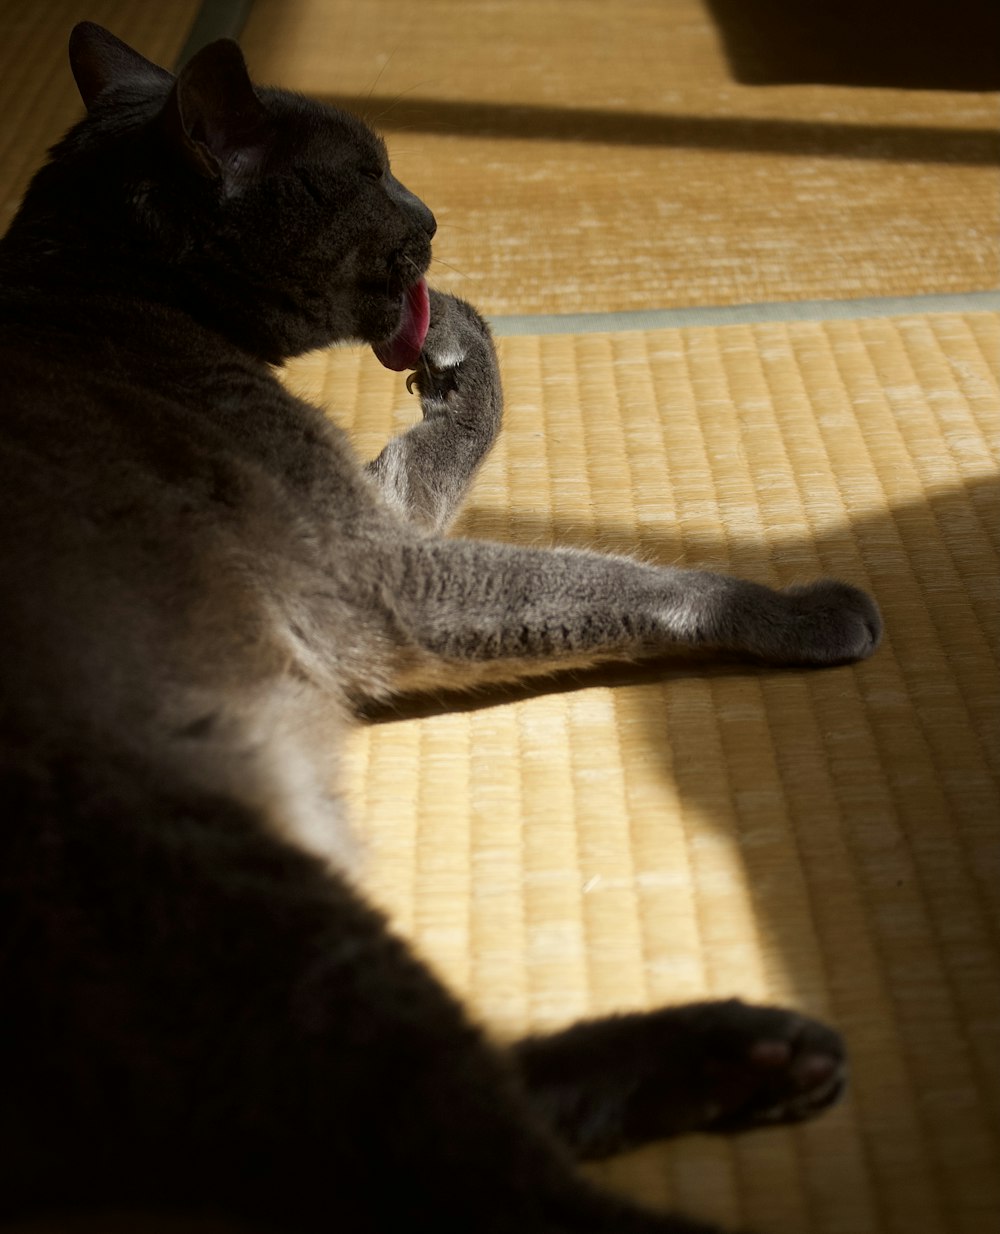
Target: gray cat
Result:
[201, 584]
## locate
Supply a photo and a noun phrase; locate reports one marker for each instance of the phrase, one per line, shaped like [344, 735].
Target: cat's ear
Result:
[100, 62]
[214, 117]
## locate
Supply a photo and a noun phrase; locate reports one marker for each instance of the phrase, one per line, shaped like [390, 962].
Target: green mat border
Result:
[737, 314]
[215, 19]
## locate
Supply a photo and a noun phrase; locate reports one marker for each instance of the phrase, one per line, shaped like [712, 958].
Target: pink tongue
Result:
[403, 348]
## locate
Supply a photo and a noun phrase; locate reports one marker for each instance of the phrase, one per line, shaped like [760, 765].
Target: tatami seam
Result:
[745, 314]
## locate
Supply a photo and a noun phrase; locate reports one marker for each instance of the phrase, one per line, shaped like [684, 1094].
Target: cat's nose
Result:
[412, 205]
[422, 215]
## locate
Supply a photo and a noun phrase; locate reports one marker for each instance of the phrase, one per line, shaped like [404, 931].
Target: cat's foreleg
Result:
[485, 611]
[613, 1084]
[426, 472]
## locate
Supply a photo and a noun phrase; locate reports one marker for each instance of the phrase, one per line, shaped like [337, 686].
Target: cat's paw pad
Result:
[777, 1067]
[832, 623]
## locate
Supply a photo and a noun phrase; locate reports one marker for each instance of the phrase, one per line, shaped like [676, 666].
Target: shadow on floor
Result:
[813, 138]
[865, 831]
[906, 44]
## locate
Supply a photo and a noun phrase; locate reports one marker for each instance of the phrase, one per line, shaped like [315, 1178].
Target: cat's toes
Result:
[456, 335]
[445, 350]
[832, 623]
[772, 1066]
[434, 380]
[458, 360]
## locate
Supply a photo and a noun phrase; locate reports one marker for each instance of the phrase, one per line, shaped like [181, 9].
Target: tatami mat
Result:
[582, 156]
[585, 156]
[824, 838]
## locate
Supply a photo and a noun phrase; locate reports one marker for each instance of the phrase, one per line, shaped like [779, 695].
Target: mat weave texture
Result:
[586, 156]
[582, 156]
[829, 838]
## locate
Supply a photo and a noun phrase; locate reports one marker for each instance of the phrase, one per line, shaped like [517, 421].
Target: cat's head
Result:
[272, 216]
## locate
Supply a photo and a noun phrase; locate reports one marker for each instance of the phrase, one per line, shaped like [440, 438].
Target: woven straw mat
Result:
[824, 838]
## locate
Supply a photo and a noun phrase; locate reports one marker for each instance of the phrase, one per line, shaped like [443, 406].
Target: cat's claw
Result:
[433, 381]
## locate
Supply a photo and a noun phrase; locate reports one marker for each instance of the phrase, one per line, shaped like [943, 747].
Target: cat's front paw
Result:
[458, 360]
[831, 623]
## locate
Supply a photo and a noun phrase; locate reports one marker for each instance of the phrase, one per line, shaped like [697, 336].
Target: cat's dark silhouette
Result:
[199, 582]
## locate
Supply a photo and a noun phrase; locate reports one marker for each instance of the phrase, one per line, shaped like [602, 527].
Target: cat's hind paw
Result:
[770, 1066]
[612, 1084]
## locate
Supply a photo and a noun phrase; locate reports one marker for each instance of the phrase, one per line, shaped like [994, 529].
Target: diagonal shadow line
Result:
[815, 138]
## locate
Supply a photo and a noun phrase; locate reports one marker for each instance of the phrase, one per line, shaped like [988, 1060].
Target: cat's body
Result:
[200, 582]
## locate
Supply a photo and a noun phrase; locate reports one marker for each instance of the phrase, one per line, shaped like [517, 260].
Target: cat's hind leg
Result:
[200, 1016]
[426, 472]
[613, 1084]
